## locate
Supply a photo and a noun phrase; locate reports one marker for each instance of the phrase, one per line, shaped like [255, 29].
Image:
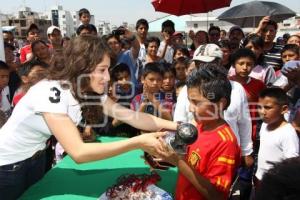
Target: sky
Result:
[114, 11]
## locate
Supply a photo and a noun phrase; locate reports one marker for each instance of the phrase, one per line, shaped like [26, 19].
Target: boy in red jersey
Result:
[208, 168]
[243, 61]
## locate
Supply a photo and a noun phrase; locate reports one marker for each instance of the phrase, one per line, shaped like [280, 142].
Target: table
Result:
[68, 180]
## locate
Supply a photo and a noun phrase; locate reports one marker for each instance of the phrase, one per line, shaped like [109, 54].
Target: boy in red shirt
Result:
[243, 61]
[32, 35]
[208, 168]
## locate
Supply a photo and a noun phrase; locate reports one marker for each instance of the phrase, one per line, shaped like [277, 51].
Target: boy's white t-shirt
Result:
[4, 104]
[26, 132]
[276, 146]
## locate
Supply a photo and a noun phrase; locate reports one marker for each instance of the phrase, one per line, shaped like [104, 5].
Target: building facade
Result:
[24, 19]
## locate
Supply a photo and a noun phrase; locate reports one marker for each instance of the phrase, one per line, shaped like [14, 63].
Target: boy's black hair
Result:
[142, 22]
[242, 53]
[181, 60]
[212, 82]
[179, 84]
[214, 28]
[167, 67]
[26, 67]
[153, 67]
[152, 39]
[291, 47]
[89, 27]
[276, 93]
[224, 44]
[183, 49]
[83, 11]
[281, 181]
[169, 26]
[3, 65]
[115, 70]
[31, 27]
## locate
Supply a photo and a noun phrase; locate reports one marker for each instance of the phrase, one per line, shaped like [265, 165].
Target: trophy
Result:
[185, 135]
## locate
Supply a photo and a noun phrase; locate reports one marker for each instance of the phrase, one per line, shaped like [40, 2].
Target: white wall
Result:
[2, 57]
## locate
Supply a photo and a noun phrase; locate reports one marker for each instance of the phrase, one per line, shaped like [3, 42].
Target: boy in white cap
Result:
[54, 37]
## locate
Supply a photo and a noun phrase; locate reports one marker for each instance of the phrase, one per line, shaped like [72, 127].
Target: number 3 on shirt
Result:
[55, 96]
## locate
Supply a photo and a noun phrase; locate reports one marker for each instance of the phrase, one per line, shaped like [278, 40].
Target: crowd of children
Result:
[241, 90]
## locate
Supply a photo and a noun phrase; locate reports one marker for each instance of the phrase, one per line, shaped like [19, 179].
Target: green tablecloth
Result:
[68, 180]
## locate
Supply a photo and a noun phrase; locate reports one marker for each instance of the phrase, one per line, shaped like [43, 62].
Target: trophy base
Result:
[155, 164]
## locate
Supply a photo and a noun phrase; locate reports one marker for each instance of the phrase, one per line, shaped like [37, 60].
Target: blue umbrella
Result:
[249, 14]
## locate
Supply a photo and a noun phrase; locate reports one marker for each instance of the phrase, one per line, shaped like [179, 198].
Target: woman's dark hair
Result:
[152, 39]
[79, 59]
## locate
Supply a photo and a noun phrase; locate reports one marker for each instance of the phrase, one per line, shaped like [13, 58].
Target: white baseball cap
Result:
[208, 53]
[51, 29]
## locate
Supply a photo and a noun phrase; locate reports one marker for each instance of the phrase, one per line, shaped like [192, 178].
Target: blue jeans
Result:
[17, 177]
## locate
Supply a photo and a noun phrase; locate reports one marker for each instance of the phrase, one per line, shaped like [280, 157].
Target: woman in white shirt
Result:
[56, 105]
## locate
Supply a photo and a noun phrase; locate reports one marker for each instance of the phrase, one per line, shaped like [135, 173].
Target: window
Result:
[23, 23]
[195, 25]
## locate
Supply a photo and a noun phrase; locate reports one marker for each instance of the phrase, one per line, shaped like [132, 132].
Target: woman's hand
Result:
[151, 143]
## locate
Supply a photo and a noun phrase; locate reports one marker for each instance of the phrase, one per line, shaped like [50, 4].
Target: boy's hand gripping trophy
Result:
[186, 134]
